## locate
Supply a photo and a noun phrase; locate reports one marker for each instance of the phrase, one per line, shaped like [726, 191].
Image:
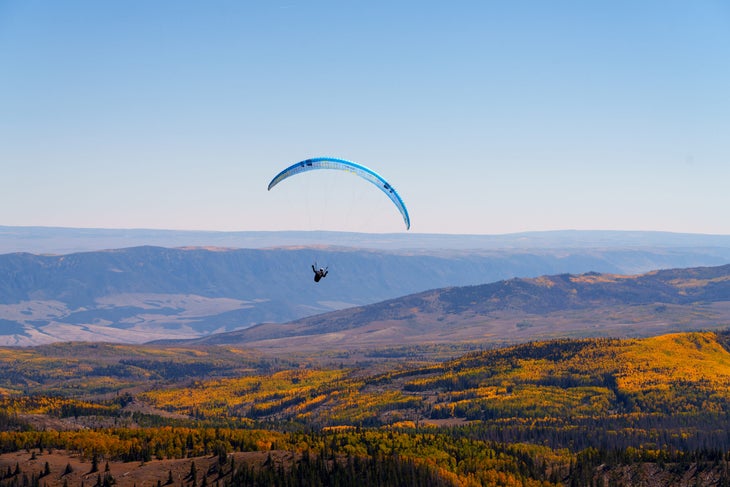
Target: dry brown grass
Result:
[125, 473]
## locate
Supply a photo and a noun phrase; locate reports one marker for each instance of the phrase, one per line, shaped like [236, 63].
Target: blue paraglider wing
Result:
[343, 165]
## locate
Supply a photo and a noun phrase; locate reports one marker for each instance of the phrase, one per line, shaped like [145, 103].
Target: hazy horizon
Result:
[66, 240]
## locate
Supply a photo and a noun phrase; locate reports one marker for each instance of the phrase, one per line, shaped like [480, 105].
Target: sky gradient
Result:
[488, 117]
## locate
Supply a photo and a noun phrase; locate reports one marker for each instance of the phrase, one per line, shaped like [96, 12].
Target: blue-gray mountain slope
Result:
[147, 293]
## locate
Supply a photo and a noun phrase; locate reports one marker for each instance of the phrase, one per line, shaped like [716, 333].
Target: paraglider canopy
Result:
[349, 166]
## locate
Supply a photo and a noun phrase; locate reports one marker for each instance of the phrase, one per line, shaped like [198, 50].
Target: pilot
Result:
[319, 274]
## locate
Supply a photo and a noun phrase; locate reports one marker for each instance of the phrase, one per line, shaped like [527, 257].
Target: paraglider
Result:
[349, 166]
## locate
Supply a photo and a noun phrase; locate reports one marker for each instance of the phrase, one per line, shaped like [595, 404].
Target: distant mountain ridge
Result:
[139, 294]
[59, 240]
[515, 310]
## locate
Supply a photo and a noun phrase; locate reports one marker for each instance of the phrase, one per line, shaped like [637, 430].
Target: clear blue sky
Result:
[487, 116]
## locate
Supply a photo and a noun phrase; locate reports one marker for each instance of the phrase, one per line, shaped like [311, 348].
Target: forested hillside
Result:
[561, 412]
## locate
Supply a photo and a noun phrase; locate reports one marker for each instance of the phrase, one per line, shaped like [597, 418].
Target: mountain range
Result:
[148, 293]
[59, 240]
[511, 311]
